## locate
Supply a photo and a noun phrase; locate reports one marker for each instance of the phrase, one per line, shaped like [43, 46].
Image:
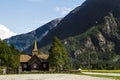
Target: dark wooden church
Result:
[35, 61]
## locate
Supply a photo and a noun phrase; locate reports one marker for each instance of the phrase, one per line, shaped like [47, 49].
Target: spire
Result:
[35, 45]
[35, 50]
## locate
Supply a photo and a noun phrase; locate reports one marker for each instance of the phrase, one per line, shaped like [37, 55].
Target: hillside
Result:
[82, 18]
[23, 41]
[99, 45]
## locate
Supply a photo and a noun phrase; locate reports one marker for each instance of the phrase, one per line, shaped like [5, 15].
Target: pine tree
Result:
[15, 56]
[57, 55]
[9, 55]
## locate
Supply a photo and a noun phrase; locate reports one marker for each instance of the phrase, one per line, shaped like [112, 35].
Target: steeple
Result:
[35, 50]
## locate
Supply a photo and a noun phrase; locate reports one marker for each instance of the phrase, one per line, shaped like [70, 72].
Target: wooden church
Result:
[35, 61]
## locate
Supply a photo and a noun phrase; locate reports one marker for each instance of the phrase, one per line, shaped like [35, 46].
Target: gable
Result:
[34, 59]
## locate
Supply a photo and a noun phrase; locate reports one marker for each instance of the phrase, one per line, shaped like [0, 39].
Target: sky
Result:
[22, 16]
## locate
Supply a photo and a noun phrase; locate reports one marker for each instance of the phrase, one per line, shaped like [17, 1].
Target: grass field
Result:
[102, 71]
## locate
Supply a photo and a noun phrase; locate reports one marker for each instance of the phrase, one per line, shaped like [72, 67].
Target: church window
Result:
[44, 65]
[34, 65]
[25, 65]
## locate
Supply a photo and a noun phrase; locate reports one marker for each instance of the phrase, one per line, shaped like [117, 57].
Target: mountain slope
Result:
[23, 41]
[98, 46]
[90, 13]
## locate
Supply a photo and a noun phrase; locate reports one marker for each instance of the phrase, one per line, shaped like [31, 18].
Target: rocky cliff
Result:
[100, 44]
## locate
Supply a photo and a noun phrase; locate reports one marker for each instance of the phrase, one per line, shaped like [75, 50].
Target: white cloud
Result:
[5, 32]
[63, 10]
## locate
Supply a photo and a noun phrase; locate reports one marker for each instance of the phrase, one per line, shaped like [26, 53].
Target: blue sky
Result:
[21, 16]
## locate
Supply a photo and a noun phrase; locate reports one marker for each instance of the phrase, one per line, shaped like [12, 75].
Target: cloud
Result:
[5, 32]
[63, 10]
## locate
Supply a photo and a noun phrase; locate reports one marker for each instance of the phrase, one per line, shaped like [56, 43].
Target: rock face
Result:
[23, 41]
[100, 45]
[100, 38]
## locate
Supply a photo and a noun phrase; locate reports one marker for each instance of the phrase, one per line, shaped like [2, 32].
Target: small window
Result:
[44, 66]
[34, 65]
[24, 65]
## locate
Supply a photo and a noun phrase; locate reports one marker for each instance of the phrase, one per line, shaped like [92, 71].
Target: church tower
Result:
[35, 50]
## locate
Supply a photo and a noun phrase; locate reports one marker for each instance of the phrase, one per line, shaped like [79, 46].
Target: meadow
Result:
[102, 71]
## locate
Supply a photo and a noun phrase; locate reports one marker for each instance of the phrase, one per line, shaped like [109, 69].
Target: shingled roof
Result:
[43, 56]
[24, 58]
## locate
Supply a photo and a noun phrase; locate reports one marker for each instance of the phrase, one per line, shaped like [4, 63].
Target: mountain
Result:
[99, 46]
[91, 32]
[82, 18]
[23, 41]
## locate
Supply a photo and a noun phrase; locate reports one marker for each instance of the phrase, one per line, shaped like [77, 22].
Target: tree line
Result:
[9, 55]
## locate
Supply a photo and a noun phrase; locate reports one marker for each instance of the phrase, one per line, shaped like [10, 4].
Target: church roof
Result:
[24, 58]
[43, 56]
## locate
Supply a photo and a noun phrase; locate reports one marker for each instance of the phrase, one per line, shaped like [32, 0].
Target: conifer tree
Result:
[9, 55]
[57, 55]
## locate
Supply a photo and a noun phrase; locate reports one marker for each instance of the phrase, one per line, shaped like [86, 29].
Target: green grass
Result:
[102, 71]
